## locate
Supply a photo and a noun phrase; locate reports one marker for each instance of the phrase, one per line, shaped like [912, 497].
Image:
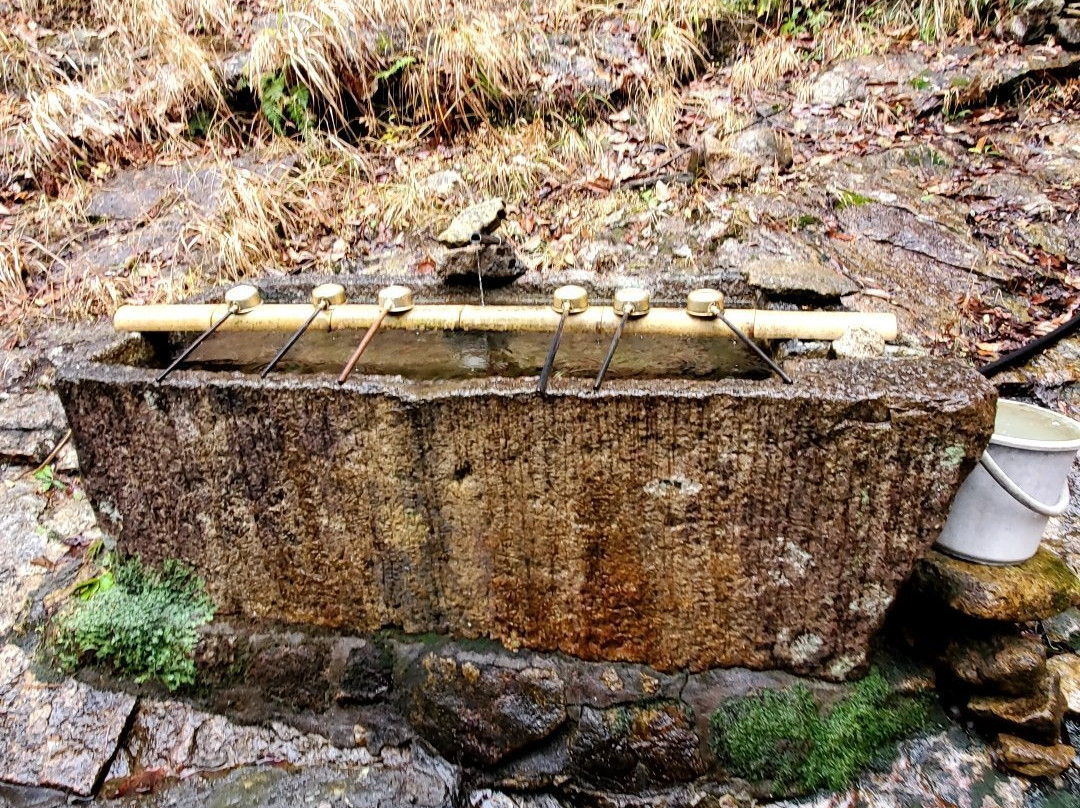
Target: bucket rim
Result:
[1065, 445]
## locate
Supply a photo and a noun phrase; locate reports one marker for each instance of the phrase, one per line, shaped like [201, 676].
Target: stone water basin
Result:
[679, 522]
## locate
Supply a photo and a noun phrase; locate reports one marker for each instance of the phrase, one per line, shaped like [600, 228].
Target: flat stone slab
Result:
[1041, 587]
[31, 424]
[412, 778]
[1004, 663]
[55, 735]
[479, 218]
[798, 277]
[1037, 716]
[1031, 759]
[176, 741]
[21, 542]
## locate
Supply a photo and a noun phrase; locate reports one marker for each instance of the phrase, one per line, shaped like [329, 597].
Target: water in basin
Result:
[444, 355]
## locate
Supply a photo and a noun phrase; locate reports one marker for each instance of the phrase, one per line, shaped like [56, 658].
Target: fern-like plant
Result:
[141, 621]
[285, 107]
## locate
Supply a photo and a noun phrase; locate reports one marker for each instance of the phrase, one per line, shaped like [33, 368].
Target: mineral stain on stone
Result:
[479, 509]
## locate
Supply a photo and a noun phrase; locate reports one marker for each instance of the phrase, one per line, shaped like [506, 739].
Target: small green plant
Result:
[139, 620]
[399, 65]
[804, 20]
[851, 199]
[199, 123]
[766, 736]
[286, 107]
[46, 477]
[783, 736]
[922, 82]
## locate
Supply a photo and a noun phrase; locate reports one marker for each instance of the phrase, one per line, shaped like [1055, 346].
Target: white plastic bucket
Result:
[1001, 510]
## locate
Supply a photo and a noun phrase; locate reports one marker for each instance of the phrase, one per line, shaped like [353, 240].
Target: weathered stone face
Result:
[681, 524]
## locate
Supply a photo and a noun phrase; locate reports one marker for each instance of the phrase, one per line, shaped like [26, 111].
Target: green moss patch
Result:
[784, 737]
[140, 621]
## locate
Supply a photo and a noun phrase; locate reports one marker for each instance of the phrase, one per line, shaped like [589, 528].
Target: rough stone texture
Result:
[629, 747]
[782, 518]
[859, 343]
[798, 277]
[1067, 668]
[176, 741]
[31, 424]
[293, 673]
[1031, 759]
[365, 676]
[1039, 588]
[1008, 664]
[763, 147]
[1037, 716]
[467, 265]
[481, 713]
[55, 735]
[1033, 22]
[408, 778]
[1062, 631]
[900, 227]
[21, 506]
[1067, 31]
[486, 798]
[952, 769]
[479, 218]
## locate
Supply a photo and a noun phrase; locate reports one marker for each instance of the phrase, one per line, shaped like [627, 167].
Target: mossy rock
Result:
[1041, 587]
[786, 739]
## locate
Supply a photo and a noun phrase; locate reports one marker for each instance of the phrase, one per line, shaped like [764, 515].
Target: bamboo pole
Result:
[758, 324]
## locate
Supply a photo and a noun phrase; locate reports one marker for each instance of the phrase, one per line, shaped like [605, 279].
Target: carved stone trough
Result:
[684, 524]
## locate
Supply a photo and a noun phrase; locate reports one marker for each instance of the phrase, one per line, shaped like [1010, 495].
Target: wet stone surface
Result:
[628, 747]
[1067, 668]
[435, 552]
[950, 768]
[1005, 663]
[482, 713]
[401, 779]
[1031, 759]
[176, 741]
[1037, 716]
[59, 735]
[1039, 588]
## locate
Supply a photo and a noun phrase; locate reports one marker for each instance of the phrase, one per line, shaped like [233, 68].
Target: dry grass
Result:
[151, 75]
[62, 123]
[383, 77]
[23, 66]
[245, 234]
[12, 270]
[315, 41]
[510, 164]
[768, 62]
[469, 65]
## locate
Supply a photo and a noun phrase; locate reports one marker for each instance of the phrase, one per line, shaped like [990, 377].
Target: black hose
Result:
[1033, 348]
